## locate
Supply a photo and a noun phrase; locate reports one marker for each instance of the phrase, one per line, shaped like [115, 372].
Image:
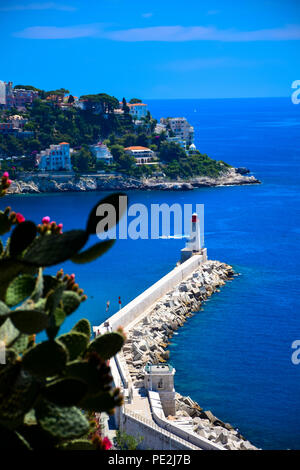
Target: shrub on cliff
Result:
[49, 389]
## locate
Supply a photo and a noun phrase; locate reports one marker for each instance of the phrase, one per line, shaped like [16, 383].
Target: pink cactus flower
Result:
[72, 276]
[46, 220]
[5, 174]
[106, 443]
[20, 218]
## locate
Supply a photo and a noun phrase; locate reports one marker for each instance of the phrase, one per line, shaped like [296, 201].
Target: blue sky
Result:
[153, 49]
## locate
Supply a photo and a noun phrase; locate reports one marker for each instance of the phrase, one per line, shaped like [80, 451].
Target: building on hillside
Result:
[55, 98]
[6, 92]
[7, 128]
[118, 111]
[178, 141]
[102, 152]
[2, 94]
[18, 121]
[21, 134]
[90, 105]
[21, 98]
[160, 128]
[180, 128]
[142, 155]
[56, 157]
[15, 98]
[193, 149]
[137, 110]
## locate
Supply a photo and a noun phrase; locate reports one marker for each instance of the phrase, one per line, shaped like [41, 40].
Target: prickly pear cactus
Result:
[50, 389]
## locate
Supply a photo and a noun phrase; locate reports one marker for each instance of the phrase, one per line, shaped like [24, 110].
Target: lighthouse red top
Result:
[194, 218]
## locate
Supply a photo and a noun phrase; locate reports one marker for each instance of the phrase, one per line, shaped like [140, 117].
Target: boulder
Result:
[245, 445]
[208, 415]
[202, 433]
[222, 438]
[143, 346]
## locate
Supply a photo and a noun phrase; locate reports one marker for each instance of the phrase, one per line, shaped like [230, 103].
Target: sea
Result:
[234, 357]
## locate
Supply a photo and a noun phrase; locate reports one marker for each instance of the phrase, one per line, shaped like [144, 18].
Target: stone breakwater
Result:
[148, 339]
[70, 183]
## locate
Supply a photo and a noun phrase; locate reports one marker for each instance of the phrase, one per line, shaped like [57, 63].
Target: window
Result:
[160, 384]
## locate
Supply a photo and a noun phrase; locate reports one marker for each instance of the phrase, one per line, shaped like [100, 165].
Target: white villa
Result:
[142, 155]
[56, 157]
[181, 128]
[138, 110]
[177, 140]
[102, 152]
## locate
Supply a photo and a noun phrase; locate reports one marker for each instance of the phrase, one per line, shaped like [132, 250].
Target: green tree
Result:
[117, 152]
[83, 160]
[142, 140]
[125, 441]
[109, 103]
[135, 100]
[125, 107]
[170, 151]
[129, 140]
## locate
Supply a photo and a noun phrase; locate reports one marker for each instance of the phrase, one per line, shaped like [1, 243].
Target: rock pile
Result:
[52, 184]
[208, 426]
[147, 342]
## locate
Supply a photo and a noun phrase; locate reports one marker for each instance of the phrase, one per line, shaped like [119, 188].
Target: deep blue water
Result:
[234, 357]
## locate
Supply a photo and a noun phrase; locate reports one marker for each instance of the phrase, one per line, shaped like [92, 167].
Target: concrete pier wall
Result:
[159, 433]
[159, 418]
[144, 301]
[154, 437]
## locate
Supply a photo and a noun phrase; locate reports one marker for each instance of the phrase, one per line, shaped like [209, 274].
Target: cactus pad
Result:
[83, 326]
[45, 359]
[71, 301]
[29, 321]
[75, 343]
[65, 392]
[93, 252]
[107, 345]
[21, 237]
[61, 422]
[52, 249]
[20, 288]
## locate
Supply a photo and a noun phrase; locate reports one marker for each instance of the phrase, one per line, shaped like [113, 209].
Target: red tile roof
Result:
[136, 147]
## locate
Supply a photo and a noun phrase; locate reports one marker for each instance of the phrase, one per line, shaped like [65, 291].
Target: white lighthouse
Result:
[194, 244]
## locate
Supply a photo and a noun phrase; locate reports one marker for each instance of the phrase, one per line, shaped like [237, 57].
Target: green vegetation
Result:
[108, 103]
[26, 87]
[49, 391]
[52, 124]
[83, 160]
[125, 441]
[135, 100]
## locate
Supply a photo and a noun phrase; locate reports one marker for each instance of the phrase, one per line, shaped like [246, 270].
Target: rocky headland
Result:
[148, 340]
[39, 183]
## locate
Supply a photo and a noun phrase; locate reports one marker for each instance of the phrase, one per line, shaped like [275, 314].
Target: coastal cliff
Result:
[71, 183]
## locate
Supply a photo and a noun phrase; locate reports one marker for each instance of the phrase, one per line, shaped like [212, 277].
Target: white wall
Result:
[193, 438]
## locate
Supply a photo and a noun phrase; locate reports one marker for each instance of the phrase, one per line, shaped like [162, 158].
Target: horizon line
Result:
[221, 98]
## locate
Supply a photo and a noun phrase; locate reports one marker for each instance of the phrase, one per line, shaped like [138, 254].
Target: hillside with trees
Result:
[98, 121]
